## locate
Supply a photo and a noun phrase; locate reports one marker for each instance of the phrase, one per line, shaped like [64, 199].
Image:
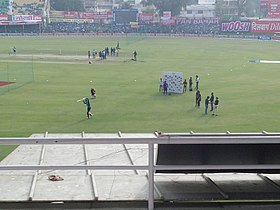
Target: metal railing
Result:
[151, 141]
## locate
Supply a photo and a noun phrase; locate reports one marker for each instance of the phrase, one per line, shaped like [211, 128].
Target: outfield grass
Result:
[248, 92]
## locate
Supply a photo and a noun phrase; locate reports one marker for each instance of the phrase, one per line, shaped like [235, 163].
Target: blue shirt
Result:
[86, 102]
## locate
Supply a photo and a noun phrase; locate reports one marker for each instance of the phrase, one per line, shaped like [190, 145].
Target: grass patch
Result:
[248, 92]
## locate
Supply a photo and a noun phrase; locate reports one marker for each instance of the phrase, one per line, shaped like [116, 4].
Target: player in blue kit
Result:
[87, 103]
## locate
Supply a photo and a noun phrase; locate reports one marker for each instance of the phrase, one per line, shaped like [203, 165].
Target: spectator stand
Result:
[28, 7]
[4, 6]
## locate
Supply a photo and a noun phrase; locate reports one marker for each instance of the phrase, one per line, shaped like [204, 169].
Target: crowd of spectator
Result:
[19, 29]
[22, 7]
[74, 27]
[4, 6]
[28, 8]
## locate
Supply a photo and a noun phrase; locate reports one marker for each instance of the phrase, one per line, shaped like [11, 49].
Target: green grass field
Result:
[248, 92]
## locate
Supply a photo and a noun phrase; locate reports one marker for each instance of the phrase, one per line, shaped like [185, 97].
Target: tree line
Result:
[244, 7]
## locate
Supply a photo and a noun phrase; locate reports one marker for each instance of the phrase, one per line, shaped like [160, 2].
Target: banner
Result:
[264, 37]
[134, 25]
[168, 21]
[174, 81]
[146, 17]
[86, 15]
[68, 20]
[110, 15]
[236, 26]
[37, 17]
[3, 17]
[9, 23]
[4, 23]
[264, 3]
[22, 18]
[265, 26]
[27, 18]
[166, 14]
[56, 14]
[210, 20]
[273, 9]
[207, 2]
[81, 15]
[276, 38]
[100, 15]
[71, 15]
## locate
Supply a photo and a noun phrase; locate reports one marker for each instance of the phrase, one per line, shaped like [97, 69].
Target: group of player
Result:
[214, 102]
[103, 53]
[114, 51]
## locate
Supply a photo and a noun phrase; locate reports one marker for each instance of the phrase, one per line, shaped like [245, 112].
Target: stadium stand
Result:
[74, 27]
[28, 7]
[4, 6]
[13, 18]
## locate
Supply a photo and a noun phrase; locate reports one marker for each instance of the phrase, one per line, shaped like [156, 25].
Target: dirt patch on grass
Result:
[56, 59]
[43, 62]
[46, 56]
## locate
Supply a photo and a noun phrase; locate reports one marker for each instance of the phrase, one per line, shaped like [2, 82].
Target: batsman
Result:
[87, 103]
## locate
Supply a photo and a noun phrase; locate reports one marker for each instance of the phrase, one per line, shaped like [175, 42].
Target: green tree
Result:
[219, 8]
[229, 10]
[175, 6]
[67, 5]
[245, 8]
[252, 8]
[148, 10]
[241, 7]
[125, 5]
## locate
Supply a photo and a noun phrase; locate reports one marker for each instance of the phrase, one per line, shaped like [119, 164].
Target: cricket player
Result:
[93, 93]
[86, 102]
[134, 55]
[216, 106]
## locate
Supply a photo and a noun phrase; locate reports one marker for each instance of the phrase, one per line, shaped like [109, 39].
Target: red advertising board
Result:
[264, 3]
[3, 17]
[110, 14]
[4, 23]
[146, 17]
[265, 26]
[100, 15]
[86, 15]
[273, 9]
[71, 15]
[37, 17]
